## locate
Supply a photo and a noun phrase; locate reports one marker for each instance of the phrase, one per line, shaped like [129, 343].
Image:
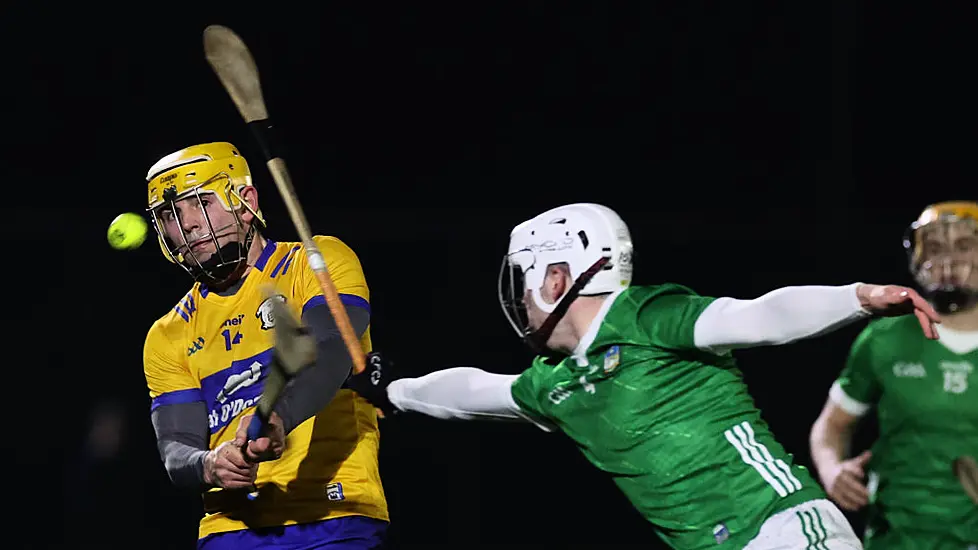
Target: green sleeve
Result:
[858, 386]
[668, 319]
[530, 390]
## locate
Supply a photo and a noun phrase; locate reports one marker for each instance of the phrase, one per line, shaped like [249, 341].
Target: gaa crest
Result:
[264, 313]
[612, 358]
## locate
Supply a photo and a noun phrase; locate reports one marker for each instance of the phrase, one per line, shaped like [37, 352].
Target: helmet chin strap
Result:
[951, 299]
[214, 272]
[537, 339]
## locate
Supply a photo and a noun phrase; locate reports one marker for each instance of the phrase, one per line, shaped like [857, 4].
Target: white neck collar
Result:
[958, 341]
[580, 351]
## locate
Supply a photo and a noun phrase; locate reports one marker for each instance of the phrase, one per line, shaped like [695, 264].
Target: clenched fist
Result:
[269, 446]
[372, 383]
[226, 467]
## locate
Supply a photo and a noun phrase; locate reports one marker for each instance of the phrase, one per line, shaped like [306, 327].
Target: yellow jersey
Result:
[215, 349]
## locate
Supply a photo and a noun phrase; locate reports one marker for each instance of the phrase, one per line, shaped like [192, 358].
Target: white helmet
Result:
[579, 235]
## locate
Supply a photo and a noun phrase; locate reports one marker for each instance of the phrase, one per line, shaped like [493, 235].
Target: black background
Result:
[748, 145]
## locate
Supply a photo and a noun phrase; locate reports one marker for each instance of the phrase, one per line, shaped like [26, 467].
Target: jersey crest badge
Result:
[611, 358]
[264, 313]
[721, 533]
[334, 491]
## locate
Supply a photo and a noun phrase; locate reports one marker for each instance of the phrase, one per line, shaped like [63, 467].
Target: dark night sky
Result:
[748, 147]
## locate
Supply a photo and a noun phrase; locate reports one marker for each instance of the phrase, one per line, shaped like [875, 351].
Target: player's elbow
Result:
[741, 337]
[730, 323]
[172, 468]
[774, 325]
[832, 425]
[817, 433]
[755, 339]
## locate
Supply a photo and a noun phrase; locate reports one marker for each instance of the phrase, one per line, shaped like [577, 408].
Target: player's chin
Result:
[200, 257]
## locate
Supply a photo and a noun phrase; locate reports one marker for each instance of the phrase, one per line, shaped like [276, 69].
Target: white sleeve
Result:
[848, 404]
[778, 317]
[460, 393]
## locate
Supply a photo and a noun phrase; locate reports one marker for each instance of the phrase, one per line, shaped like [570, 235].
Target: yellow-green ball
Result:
[127, 231]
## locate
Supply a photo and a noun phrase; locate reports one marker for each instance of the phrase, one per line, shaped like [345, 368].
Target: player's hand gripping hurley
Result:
[235, 67]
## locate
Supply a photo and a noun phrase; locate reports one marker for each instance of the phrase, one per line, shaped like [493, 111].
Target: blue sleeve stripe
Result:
[347, 299]
[192, 395]
[355, 301]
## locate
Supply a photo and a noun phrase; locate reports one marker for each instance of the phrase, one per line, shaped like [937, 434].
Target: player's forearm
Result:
[184, 463]
[181, 435]
[828, 444]
[460, 393]
[314, 387]
[778, 317]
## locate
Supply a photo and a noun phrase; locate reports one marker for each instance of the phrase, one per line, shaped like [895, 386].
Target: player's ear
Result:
[557, 281]
[250, 196]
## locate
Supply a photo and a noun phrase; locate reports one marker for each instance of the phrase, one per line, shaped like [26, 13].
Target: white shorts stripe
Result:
[813, 525]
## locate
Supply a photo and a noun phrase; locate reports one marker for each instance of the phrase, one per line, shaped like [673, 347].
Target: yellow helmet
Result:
[942, 249]
[216, 168]
[948, 209]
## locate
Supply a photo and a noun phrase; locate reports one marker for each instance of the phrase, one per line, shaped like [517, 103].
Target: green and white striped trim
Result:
[813, 529]
[774, 471]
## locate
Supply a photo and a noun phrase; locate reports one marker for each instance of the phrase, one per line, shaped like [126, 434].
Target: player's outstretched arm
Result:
[797, 312]
[460, 393]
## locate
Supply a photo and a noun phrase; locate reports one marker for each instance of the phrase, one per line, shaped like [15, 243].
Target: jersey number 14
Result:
[230, 340]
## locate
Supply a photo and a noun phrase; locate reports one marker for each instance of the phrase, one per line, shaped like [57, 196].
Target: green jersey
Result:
[928, 416]
[674, 426]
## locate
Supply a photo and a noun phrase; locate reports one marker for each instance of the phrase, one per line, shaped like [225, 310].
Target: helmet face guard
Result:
[230, 242]
[512, 293]
[513, 296]
[943, 259]
[197, 178]
[589, 239]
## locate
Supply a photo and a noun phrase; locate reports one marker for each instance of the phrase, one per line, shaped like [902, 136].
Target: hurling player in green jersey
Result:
[923, 394]
[642, 380]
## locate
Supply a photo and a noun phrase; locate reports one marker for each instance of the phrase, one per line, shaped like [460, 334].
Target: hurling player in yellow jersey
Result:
[205, 363]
